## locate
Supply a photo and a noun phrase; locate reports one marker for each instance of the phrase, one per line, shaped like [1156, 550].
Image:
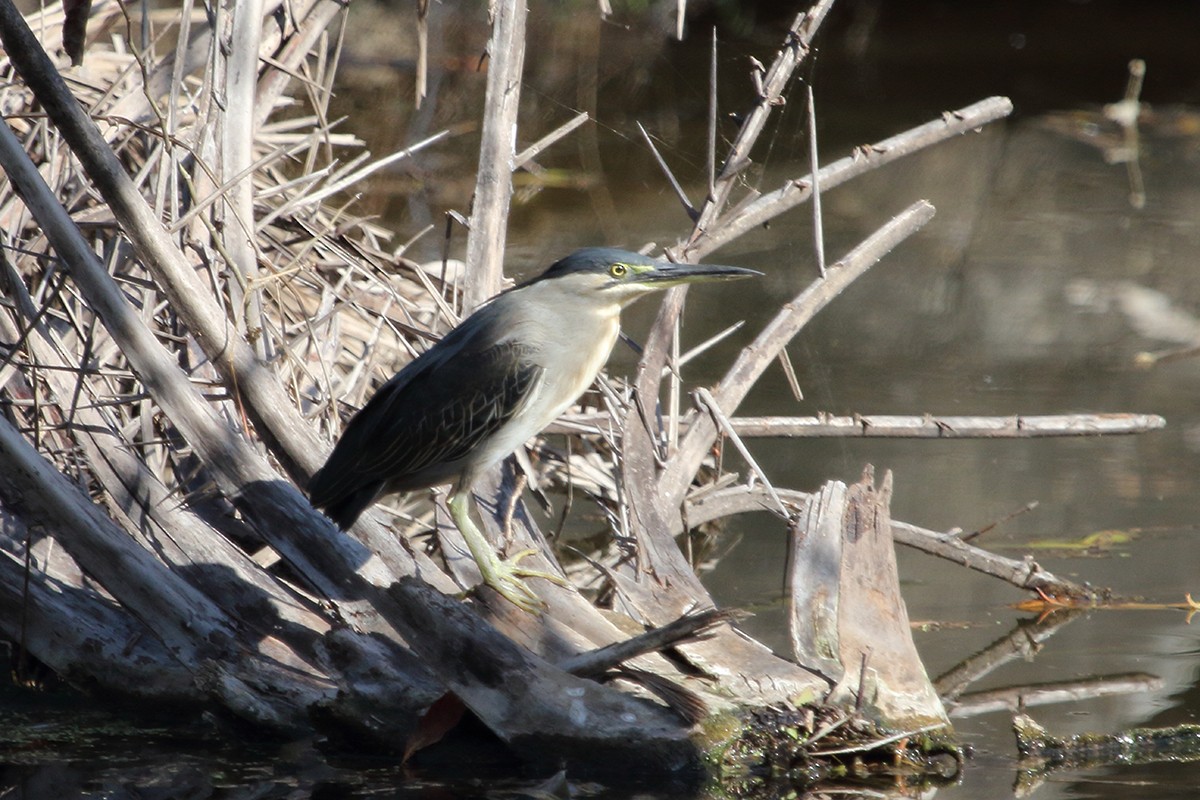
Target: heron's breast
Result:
[576, 351]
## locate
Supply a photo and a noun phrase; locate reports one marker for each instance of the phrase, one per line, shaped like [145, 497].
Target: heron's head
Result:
[611, 275]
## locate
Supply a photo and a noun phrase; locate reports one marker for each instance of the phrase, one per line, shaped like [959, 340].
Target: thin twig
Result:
[709, 404]
[796, 45]
[815, 165]
[535, 149]
[679, 192]
[375, 166]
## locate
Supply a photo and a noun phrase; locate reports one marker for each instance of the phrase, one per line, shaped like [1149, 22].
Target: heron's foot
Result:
[505, 576]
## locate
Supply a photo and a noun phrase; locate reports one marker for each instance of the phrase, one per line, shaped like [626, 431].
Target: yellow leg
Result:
[503, 576]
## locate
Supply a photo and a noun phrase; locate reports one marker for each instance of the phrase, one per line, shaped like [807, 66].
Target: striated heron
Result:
[499, 378]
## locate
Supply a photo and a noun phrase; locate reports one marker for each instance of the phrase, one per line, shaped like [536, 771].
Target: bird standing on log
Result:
[496, 380]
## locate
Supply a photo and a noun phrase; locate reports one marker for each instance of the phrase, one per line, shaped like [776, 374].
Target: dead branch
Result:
[906, 426]
[796, 46]
[928, 426]
[268, 688]
[1024, 574]
[72, 629]
[688, 626]
[1014, 698]
[864, 159]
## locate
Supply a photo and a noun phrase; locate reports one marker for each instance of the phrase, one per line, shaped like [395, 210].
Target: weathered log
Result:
[845, 611]
[72, 629]
[270, 686]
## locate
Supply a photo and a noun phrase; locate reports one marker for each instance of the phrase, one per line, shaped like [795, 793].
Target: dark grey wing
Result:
[435, 421]
[423, 424]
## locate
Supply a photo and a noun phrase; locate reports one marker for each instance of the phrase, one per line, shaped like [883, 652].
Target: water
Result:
[1032, 291]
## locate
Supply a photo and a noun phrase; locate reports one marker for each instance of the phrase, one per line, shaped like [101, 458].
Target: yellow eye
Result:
[618, 270]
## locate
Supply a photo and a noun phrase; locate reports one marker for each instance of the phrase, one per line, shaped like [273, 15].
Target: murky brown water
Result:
[1031, 292]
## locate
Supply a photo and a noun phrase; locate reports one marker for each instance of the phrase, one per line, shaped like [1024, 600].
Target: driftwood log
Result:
[180, 318]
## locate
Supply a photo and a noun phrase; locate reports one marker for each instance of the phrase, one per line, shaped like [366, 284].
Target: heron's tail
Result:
[341, 504]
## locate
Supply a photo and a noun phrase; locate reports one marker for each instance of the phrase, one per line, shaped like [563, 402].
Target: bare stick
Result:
[881, 426]
[493, 182]
[682, 195]
[535, 149]
[707, 403]
[688, 626]
[1025, 573]
[358, 174]
[818, 224]
[755, 358]
[422, 87]
[236, 117]
[789, 372]
[711, 165]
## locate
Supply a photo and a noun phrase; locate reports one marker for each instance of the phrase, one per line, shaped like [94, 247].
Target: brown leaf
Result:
[441, 718]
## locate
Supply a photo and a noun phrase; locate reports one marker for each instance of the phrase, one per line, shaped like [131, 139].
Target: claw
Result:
[505, 577]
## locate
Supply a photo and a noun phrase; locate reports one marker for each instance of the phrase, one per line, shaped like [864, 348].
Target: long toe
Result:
[505, 578]
[522, 572]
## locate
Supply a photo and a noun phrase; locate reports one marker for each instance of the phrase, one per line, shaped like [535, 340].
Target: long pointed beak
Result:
[667, 274]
